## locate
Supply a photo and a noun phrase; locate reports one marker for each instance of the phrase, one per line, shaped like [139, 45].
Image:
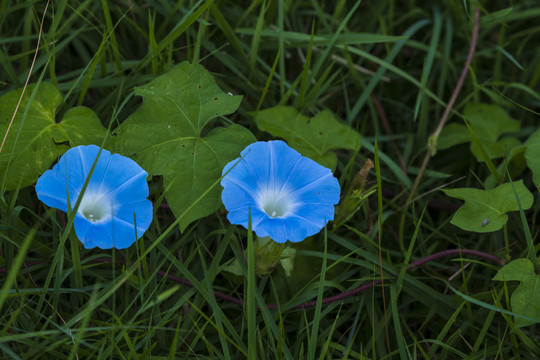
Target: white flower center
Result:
[276, 203]
[95, 207]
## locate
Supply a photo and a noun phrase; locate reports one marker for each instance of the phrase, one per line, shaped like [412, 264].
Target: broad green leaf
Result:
[517, 270]
[489, 123]
[234, 268]
[485, 210]
[532, 155]
[35, 138]
[525, 299]
[313, 137]
[199, 167]
[453, 134]
[167, 136]
[288, 254]
[267, 257]
[515, 164]
[495, 149]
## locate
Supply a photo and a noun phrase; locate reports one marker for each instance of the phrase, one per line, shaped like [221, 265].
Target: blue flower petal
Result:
[315, 214]
[116, 192]
[322, 190]
[136, 212]
[290, 196]
[293, 228]
[238, 195]
[73, 169]
[238, 217]
[79, 163]
[76, 163]
[105, 235]
[123, 233]
[242, 174]
[126, 180]
[51, 189]
[85, 231]
[263, 164]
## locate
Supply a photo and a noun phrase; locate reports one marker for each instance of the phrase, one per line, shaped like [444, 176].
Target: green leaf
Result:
[296, 39]
[35, 139]
[453, 134]
[496, 149]
[167, 136]
[287, 261]
[532, 155]
[201, 166]
[485, 210]
[517, 270]
[514, 163]
[267, 255]
[234, 268]
[313, 137]
[489, 123]
[525, 299]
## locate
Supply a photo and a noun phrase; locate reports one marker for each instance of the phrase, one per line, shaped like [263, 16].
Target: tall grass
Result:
[388, 70]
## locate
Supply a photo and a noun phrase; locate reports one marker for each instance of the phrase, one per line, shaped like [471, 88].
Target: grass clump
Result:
[394, 276]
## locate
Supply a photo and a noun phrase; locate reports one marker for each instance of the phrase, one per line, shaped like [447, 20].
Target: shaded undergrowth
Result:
[387, 70]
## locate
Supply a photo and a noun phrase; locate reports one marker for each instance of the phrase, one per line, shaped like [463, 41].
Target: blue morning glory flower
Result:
[290, 196]
[113, 202]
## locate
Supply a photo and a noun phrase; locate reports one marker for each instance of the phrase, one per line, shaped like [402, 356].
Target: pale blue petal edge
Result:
[274, 164]
[120, 177]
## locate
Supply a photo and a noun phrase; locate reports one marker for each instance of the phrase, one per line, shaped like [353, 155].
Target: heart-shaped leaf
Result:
[514, 164]
[489, 123]
[453, 134]
[517, 270]
[525, 299]
[166, 137]
[35, 139]
[532, 155]
[313, 137]
[485, 210]
[267, 258]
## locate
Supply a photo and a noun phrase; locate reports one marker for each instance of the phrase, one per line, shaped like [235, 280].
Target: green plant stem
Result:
[27, 78]
[307, 304]
[432, 142]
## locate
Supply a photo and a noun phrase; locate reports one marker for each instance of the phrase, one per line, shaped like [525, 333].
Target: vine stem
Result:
[27, 78]
[432, 142]
[450, 105]
[413, 265]
[307, 304]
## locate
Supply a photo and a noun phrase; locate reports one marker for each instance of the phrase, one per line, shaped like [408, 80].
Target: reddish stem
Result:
[307, 304]
[388, 130]
[413, 265]
[449, 106]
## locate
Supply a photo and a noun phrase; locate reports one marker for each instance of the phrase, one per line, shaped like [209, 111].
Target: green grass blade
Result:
[250, 295]
[315, 330]
[255, 41]
[17, 263]
[433, 44]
